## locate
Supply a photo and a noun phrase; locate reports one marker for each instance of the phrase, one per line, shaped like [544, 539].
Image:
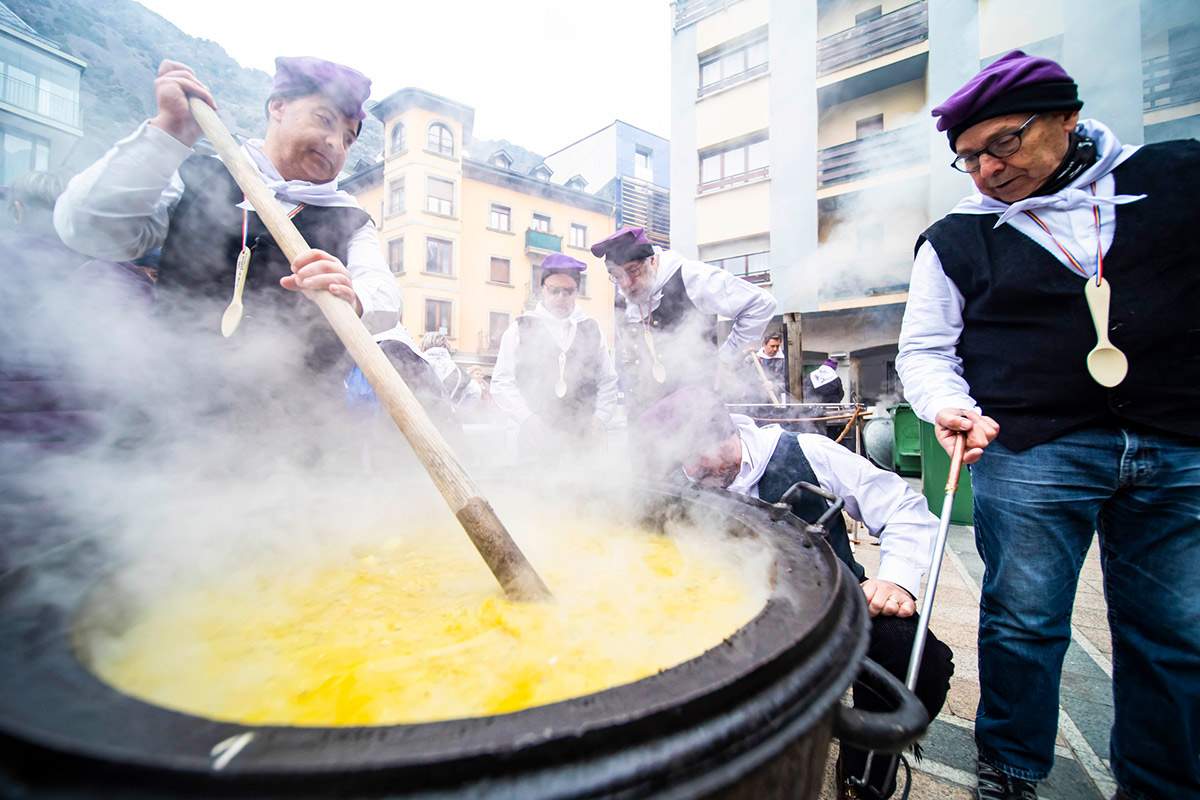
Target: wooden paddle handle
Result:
[766, 382]
[486, 531]
[956, 459]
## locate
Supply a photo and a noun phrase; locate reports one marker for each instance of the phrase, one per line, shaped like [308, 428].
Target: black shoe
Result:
[992, 784]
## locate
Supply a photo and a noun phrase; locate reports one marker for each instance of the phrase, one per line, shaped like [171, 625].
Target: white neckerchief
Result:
[1110, 154]
[669, 262]
[294, 193]
[758, 445]
[763, 353]
[563, 328]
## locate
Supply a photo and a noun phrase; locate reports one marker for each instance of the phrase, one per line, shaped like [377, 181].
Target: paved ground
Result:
[1085, 710]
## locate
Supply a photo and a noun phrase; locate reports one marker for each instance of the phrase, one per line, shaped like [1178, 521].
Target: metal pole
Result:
[935, 567]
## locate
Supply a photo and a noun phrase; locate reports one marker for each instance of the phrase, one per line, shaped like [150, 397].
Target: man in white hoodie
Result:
[672, 305]
[553, 373]
[1069, 233]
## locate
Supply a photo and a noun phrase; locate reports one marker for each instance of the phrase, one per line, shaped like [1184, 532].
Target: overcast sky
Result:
[540, 73]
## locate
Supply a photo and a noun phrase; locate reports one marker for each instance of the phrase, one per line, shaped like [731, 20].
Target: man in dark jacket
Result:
[1006, 296]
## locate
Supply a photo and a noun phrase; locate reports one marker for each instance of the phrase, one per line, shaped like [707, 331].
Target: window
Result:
[497, 325]
[500, 218]
[395, 197]
[441, 140]
[501, 270]
[437, 316]
[21, 154]
[398, 138]
[868, 126]
[578, 235]
[439, 196]
[439, 256]
[578, 183]
[870, 15]
[731, 65]
[541, 172]
[502, 161]
[643, 164]
[541, 223]
[396, 256]
[754, 267]
[583, 284]
[729, 165]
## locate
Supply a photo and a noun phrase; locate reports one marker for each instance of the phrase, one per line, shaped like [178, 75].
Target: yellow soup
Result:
[415, 629]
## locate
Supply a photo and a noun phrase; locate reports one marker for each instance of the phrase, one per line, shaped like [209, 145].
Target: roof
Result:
[10, 21]
[522, 160]
[411, 96]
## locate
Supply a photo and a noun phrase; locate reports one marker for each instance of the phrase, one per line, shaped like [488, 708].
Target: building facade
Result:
[465, 237]
[39, 100]
[804, 129]
[627, 165]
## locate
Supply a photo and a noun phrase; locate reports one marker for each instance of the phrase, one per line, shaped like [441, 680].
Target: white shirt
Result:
[120, 207]
[928, 363]
[507, 394]
[881, 500]
[713, 291]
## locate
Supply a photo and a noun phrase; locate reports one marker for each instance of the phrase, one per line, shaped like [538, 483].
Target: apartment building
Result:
[804, 157]
[629, 166]
[466, 225]
[39, 100]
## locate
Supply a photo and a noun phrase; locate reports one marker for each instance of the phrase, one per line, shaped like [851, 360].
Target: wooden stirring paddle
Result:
[506, 561]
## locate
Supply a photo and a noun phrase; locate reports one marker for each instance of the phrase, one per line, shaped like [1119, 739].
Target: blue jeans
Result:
[1035, 514]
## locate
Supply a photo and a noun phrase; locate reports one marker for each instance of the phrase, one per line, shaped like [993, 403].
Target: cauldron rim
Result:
[740, 664]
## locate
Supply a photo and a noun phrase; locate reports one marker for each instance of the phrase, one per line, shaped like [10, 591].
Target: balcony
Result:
[1171, 80]
[542, 242]
[689, 12]
[644, 205]
[880, 152]
[39, 101]
[887, 34]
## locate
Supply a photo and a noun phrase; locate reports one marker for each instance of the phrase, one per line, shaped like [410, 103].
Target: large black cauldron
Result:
[750, 718]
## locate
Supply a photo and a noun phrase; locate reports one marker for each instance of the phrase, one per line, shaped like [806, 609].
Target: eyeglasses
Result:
[1002, 146]
[631, 273]
[555, 291]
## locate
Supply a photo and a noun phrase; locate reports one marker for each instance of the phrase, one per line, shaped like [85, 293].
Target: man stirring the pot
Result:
[1069, 233]
[692, 429]
[553, 374]
[153, 190]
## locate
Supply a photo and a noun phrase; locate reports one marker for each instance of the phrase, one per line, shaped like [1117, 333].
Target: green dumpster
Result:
[935, 469]
[906, 441]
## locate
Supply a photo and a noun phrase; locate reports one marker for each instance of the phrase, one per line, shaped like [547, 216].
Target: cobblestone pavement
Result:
[1085, 708]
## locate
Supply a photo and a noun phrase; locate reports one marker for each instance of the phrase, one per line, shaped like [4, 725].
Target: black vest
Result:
[537, 372]
[200, 253]
[789, 465]
[685, 339]
[1027, 330]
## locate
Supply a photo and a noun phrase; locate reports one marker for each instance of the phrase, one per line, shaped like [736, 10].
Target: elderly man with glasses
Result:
[995, 345]
[553, 375]
[672, 305]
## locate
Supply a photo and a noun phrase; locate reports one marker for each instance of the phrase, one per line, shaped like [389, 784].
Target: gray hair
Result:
[434, 339]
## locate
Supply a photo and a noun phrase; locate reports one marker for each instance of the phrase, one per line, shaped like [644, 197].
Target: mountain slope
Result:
[123, 43]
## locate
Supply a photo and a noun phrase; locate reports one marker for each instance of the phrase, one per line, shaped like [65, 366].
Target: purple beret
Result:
[627, 244]
[682, 425]
[1011, 84]
[561, 264]
[830, 362]
[347, 88]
